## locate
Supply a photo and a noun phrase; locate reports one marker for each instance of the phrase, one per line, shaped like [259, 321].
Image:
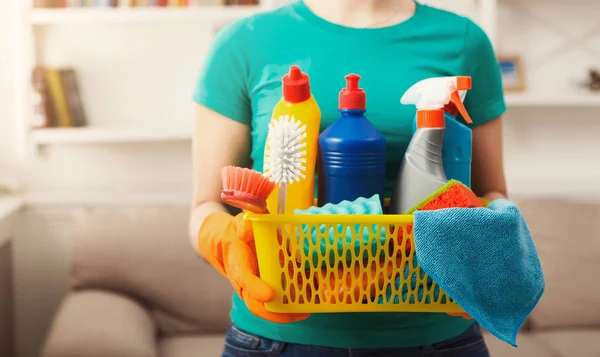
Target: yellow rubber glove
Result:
[227, 243]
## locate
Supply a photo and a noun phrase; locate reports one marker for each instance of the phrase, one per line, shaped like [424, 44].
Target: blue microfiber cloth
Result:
[337, 236]
[485, 259]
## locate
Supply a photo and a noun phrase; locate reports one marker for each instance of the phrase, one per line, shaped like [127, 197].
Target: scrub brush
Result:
[245, 189]
[285, 155]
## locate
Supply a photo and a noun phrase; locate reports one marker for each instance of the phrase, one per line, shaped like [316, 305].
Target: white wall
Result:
[547, 151]
[553, 150]
[130, 75]
[7, 113]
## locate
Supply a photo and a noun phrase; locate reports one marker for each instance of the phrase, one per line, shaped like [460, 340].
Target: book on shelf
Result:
[138, 3]
[103, 3]
[43, 112]
[241, 2]
[56, 98]
[71, 88]
[37, 4]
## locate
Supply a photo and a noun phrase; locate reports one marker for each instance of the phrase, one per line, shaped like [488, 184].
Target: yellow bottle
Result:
[298, 102]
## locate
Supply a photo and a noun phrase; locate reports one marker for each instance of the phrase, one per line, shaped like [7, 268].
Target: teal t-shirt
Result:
[241, 79]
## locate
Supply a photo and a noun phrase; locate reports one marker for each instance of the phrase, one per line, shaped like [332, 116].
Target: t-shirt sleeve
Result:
[222, 82]
[485, 101]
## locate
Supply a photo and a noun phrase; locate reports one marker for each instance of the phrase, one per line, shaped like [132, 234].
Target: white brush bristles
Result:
[285, 152]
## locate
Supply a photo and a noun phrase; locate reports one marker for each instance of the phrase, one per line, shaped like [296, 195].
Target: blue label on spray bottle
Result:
[456, 150]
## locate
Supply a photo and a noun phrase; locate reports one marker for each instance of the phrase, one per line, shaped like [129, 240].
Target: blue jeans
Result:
[242, 344]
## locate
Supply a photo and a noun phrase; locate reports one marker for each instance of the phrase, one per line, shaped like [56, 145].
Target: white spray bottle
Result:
[421, 172]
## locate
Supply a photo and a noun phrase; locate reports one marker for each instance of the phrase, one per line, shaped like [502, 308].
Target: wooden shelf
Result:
[132, 15]
[91, 135]
[553, 100]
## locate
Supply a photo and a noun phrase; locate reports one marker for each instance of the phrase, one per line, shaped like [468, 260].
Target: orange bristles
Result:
[245, 188]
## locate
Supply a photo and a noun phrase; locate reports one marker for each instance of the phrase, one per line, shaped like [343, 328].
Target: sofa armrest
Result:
[95, 323]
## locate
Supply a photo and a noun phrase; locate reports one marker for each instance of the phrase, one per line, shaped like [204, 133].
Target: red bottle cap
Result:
[296, 86]
[352, 97]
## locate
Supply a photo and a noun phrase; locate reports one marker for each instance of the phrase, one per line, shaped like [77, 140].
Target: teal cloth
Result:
[336, 236]
[486, 260]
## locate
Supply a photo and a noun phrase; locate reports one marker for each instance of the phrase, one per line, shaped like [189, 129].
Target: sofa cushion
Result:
[567, 237]
[575, 342]
[101, 324]
[191, 346]
[528, 346]
[145, 252]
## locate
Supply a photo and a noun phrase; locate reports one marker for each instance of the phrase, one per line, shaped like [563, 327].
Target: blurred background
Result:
[95, 130]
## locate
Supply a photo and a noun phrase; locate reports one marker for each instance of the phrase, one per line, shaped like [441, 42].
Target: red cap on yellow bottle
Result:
[296, 86]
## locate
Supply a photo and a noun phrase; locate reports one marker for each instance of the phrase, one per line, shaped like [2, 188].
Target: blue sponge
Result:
[335, 233]
[344, 240]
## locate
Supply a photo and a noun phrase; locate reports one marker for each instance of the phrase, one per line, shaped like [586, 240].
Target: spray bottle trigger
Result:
[455, 97]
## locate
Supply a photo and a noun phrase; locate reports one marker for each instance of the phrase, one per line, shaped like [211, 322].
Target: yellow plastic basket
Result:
[344, 263]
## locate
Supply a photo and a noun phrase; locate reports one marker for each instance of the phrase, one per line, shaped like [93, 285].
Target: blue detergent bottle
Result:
[457, 145]
[351, 152]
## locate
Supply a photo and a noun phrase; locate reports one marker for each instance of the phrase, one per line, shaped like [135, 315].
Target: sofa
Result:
[138, 290]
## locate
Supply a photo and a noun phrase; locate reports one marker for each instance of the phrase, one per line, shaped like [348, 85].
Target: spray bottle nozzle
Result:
[463, 83]
[437, 93]
[461, 107]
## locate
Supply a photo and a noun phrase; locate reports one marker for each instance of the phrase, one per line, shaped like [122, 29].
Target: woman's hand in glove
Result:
[227, 243]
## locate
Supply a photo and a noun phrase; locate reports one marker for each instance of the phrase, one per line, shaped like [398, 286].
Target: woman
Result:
[391, 44]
